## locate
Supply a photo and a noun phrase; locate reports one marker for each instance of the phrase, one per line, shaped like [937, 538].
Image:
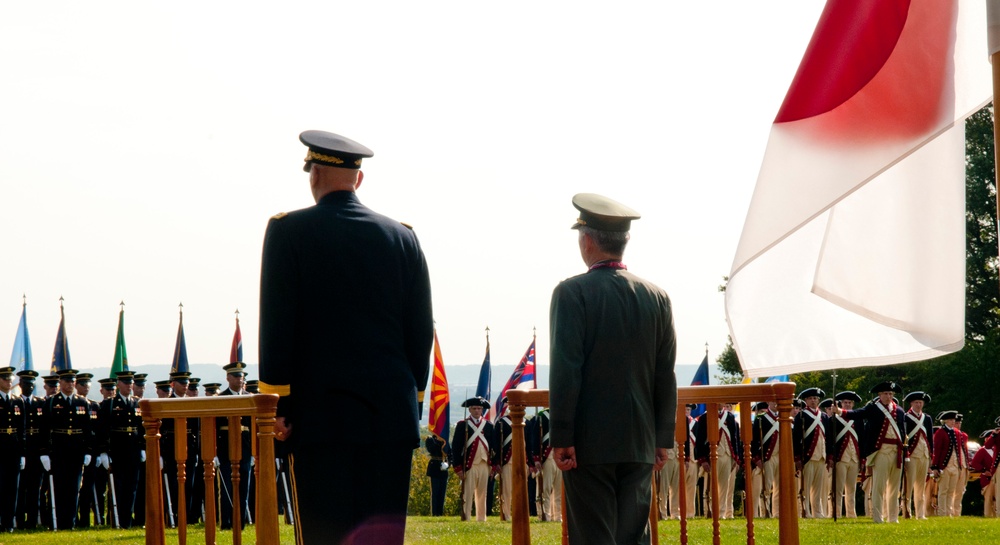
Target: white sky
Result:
[144, 147]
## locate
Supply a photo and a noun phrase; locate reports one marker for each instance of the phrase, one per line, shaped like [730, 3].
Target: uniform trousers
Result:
[126, 478]
[608, 504]
[947, 484]
[10, 470]
[959, 492]
[996, 496]
[726, 467]
[691, 486]
[847, 486]
[506, 477]
[226, 495]
[769, 483]
[67, 474]
[916, 482]
[552, 487]
[757, 486]
[989, 503]
[29, 492]
[88, 498]
[813, 475]
[351, 496]
[439, 489]
[886, 478]
[475, 489]
[669, 482]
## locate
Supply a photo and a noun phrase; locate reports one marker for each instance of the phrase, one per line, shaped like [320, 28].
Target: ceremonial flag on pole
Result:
[853, 249]
[700, 379]
[778, 378]
[120, 362]
[484, 387]
[20, 357]
[523, 378]
[439, 416]
[60, 354]
[180, 362]
[236, 353]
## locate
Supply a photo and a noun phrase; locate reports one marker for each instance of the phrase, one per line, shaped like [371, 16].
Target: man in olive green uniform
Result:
[612, 385]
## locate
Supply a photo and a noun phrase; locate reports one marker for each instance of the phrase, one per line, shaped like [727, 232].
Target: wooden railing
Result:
[712, 396]
[261, 408]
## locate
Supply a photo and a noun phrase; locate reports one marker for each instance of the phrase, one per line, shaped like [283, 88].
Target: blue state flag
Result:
[700, 379]
[20, 357]
[180, 362]
[484, 387]
[777, 378]
[60, 354]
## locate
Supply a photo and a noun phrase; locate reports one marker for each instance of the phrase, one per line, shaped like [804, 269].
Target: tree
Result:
[982, 281]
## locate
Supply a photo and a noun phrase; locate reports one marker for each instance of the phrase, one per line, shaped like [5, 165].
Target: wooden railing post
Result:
[519, 507]
[267, 510]
[208, 456]
[155, 528]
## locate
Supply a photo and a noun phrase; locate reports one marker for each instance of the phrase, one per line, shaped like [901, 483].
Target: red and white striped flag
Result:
[853, 250]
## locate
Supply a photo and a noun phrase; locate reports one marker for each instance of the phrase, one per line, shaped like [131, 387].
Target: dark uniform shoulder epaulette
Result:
[407, 225]
[279, 215]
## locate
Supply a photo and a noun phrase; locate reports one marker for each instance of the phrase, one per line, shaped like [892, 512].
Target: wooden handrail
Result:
[262, 409]
[742, 394]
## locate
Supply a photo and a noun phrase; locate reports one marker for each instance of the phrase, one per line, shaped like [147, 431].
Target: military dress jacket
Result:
[222, 431]
[729, 432]
[67, 428]
[919, 428]
[12, 426]
[806, 437]
[612, 389]
[465, 450]
[345, 294]
[119, 430]
[439, 452]
[876, 424]
[765, 438]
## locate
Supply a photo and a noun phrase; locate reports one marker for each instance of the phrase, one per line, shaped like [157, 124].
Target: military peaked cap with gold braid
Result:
[326, 148]
[603, 214]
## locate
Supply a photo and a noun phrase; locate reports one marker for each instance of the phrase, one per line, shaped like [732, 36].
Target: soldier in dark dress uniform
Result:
[613, 393]
[764, 452]
[812, 443]
[729, 451]
[545, 466]
[89, 494]
[12, 452]
[345, 290]
[30, 482]
[121, 442]
[235, 376]
[437, 469]
[473, 455]
[178, 385]
[68, 442]
[139, 507]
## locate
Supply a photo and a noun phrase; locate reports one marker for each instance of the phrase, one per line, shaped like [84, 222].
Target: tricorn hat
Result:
[811, 392]
[947, 415]
[848, 394]
[887, 386]
[917, 396]
[477, 401]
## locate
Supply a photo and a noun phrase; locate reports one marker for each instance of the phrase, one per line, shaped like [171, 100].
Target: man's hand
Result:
[565, 457]
[282, 431]
[661, 459]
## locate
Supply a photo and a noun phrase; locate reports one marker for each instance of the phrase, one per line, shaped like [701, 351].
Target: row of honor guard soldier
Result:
[669, 476]
[730, 455]
[236, 380]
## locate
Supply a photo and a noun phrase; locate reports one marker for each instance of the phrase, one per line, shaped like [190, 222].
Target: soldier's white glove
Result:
[86, 460]
[23, 461]
[216, 462]
[162, 467]
[46, 462]
[252, 461]
[142, 456]
[444, 465]
[103, 460]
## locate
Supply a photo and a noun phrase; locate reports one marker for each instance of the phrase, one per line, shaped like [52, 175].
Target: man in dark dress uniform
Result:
[68, 441]
[30, 483]
[235, 376]
[545, 465]
[883, 445]
[178, 389]
[92, 489]
[139, 507]
[345, 292]
[121, 443]
[437, 469]
[847, 455]
[613, 393]
[919, 452]
[12, 453]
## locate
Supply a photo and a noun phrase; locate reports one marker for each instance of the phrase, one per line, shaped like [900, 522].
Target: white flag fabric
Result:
[853, 250]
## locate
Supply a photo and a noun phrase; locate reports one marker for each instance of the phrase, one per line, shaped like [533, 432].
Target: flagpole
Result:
[993, 40]
[835, 502]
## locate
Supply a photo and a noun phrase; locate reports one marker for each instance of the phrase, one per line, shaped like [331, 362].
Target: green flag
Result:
[120, 363]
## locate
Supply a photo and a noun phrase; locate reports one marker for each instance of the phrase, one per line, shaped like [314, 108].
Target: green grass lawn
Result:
[450, 531]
